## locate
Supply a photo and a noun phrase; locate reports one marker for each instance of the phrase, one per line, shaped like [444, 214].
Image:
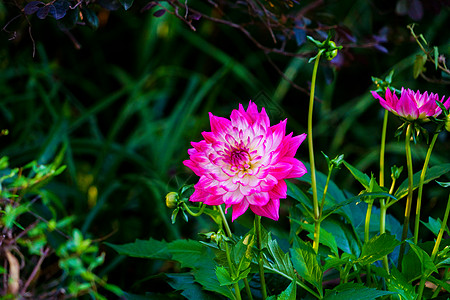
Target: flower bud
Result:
[330, 54]
[172, 200]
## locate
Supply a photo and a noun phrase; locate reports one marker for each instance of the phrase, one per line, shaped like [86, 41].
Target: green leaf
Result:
[432, 173]
[290, 293]
[427, 264]
[207, 278]
[433, 225]
[185, 282]
[143, 248]
[398, 284]
[352, 290]
[306, 264]
[419, 64]
[224, 276]
[443, 184]
[191, 254]
[436, 57]
[126, 3]
[325, 238]
[280, 261]
[360, 176]
[294, 192]
[376, 248]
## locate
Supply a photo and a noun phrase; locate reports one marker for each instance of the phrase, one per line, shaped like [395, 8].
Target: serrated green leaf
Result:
[432, 173]
[290, 293]
[376, 248]
[398, 284]
[224, 276]
[305, 262]
[352, 290]
[206, 277]
[190, 253]
[143, 248]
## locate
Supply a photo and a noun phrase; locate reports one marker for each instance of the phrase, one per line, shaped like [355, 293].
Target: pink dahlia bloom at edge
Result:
[412, 105]
[243, 162]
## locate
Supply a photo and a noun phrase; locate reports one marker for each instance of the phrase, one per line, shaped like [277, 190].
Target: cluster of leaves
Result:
[345, 255]
[41, 260]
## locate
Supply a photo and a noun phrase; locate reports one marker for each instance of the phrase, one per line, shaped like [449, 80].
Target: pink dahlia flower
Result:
[412, 105]
[243, 162]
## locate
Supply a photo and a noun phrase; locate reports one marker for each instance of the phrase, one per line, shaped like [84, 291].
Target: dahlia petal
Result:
[239, 209]
[298, 168]
[281, 170]
[270, 210]
[259, 199]
[219, 125]
[279, 191]
[214, 200]
[233, 197]
[294, 143]
[406, 107]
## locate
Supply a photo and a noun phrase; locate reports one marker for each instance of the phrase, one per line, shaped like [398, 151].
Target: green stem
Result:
[311, 156]
[260, 256]
[224, 221]
[383, 147]
[322, 203]
[435, 249]
[383, 208]
[441, 231]
[228, 231]
[410, 193]
[419, 196]
[201, 209]
[367, 232]
[237, 291]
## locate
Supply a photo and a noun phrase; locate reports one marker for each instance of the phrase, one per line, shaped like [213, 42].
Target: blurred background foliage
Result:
[123, 92]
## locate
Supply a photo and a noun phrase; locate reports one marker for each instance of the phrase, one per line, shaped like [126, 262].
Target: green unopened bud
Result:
[172, 200]
[447, 123]
[332, 50]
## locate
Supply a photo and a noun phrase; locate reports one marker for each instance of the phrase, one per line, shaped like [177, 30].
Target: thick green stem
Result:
[260, 256]
[419, 195]
[435, 249]
[311, 156]
[410, 193]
